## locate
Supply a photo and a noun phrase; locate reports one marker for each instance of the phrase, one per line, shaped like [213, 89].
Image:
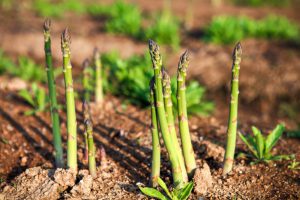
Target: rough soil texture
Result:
[124, 134]
[269, 76]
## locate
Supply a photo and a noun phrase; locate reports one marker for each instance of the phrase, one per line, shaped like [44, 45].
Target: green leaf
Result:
[273, 138]
[25, 94]
[255, 130]
[30, 112]
[163, 185]
[249, 144]
[153, 193]
[41, 99]
[186, 191]
[260, 144]
[280, 157]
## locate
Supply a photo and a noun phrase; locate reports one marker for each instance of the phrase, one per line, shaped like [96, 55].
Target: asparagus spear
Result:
[233, 110]
[157, 65]
[90, 141]
[98, 77]
[167, 91]
[188, 151]
[52, 93]
[71, 114]
[86, 80]
[86, 116]
[155, 169]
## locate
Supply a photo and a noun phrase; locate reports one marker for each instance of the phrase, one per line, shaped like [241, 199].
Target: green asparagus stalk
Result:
[155, 168]
[58, 153]
[86, 116]
[233, 110]
[98, 77]
[71, 114]
[167, 91]
[91, 147]
[187, 147]
[157, 65]
[86, 80]
[89, 138]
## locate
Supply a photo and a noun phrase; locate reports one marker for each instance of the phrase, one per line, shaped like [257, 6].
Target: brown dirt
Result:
[268, 69]
[124, 134]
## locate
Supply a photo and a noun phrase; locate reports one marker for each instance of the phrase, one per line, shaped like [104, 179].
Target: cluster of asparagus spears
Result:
[70, 105]
[162, 119]
[182, 162]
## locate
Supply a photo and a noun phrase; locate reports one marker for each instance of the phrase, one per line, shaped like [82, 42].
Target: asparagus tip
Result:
[185, 57]
[184, 61]
[85, 63]
[88, 124]
[153, 46]
[96, 53]
[65, 36]
[47, 24]
[237, 53]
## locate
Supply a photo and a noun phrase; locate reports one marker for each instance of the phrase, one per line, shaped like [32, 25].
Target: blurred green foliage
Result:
[256, 3]
[120, 18]
[230, 29]
[130, 78]
[36, 97]
[127, 19]
[124, 18]
[164, 30]
[25, 68]
[50, 8]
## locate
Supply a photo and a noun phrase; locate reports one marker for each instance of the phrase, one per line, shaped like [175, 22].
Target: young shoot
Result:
[175, 194]
[261, 146]
[35, 97]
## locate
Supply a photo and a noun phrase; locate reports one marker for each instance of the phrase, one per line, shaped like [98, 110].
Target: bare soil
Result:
[269, 77]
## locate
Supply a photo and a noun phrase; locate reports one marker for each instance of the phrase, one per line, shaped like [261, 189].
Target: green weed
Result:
[164, 30]
[176, 194]
[229, 29]
[124, 18]
[25, 68]
[35, 97]
[256, 3]
[129, 78]
[294, 164]
[260, 146]
[49, 8]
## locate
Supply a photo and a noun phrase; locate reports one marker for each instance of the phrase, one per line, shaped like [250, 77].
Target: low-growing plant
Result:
[294, 164]
[49, 8]
[229, 29]
[261, 147]
[5, 63]
[122, 80]
[175, 194]
[165, 30]
[256, 3]
[124, 18]
[35, 97]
